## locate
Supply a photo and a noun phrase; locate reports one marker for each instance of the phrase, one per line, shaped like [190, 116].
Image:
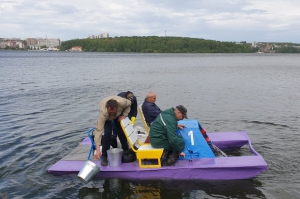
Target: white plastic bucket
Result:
[114, 156]
[88, 171]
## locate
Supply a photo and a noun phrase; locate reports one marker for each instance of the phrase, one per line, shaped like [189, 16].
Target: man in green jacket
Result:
[163, 133]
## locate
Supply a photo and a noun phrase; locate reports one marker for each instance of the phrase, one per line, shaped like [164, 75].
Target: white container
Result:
[88, 171]
[114, 156]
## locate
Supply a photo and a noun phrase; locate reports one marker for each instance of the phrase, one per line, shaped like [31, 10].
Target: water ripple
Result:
[47, 109]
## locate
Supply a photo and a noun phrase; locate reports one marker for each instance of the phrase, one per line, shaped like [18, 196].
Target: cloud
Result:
[225, 20]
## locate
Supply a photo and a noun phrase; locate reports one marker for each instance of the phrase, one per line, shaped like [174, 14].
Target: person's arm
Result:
[133, 111]
[133, 108]
[121, 117]
[181, 126]
[154, 110]
[182, 154]
[176, 142]
[126, 104]
[98, 152]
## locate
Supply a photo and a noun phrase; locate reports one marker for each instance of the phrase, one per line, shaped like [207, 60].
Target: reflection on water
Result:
[160, 189]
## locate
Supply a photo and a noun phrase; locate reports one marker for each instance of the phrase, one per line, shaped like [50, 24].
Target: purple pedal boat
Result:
[190, 168]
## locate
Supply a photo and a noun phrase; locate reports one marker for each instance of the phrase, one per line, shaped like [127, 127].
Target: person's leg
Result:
[165, 157]
[114, 135]
[121, 135]
[173, 157]
[106, 138]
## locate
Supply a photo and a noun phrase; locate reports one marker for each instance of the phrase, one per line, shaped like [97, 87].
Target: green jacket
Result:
[164, 135]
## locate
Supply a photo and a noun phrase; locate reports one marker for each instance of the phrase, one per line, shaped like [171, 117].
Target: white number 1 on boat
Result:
[191, 133]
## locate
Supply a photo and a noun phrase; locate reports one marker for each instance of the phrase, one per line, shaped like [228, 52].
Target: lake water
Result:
[48, 101]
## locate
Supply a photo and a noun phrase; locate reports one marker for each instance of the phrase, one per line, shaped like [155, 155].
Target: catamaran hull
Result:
[219, 168]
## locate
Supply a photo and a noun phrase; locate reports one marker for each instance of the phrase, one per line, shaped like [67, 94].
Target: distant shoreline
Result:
[154, 44]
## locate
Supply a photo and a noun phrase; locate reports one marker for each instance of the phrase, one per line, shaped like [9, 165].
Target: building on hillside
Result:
[103, 35]
[241, 42]
[76, 48]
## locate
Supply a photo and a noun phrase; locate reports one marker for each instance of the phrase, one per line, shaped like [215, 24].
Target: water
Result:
[48, 101]
[217, 150]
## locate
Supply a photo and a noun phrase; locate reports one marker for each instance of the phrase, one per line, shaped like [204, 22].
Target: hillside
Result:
[154, 44]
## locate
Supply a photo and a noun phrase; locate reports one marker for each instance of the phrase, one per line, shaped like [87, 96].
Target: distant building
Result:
[53, 43]
[41, 42]
[13, 43]
[76, 48]
[241, 42]
[36, 43]
[103, 35]
[31, 41]
[20, 44]
[3, 43]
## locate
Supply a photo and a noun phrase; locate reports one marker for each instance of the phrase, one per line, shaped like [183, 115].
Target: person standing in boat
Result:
[150, 109]
[113, 108]
[131, 115]
[163, 133]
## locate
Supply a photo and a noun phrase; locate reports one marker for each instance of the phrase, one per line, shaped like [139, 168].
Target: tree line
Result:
[288, 49]
[155, 44]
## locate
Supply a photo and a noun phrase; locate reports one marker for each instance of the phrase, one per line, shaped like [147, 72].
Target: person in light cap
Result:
[163, 133]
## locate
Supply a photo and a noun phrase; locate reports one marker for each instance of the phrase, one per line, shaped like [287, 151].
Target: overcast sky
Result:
[221, 20]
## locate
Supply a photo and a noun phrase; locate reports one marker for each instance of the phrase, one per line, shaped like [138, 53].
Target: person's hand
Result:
[132, 120]
[182, 154]
[98, 154]
[181, 126]
[120, 118]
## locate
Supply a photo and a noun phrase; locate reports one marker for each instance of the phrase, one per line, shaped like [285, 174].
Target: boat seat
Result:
[145, 152]
[143, 118]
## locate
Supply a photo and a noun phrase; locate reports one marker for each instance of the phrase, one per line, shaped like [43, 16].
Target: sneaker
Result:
[104, 161]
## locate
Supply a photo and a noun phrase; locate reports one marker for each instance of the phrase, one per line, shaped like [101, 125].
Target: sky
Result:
[221, 20]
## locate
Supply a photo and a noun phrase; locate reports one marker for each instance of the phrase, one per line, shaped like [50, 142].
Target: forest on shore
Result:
[155, 44]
